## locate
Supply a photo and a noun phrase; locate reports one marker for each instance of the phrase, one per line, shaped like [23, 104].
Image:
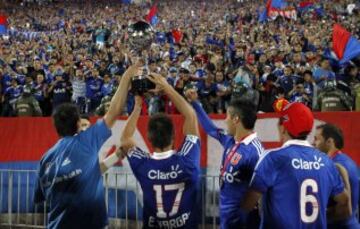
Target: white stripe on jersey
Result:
[187, 148]
[258, 146]
[134, 155]
[183, 148]
[190, 141]
[138, 153]
[262, 156]
[141, 155]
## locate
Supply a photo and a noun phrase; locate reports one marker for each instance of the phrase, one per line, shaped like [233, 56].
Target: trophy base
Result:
[140, 85]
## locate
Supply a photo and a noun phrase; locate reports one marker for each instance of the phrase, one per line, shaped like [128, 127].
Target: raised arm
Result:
[204, 119]
[126, 138]
[190, 124]
[119, 99]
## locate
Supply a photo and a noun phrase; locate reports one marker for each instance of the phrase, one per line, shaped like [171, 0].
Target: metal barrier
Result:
[123, 197]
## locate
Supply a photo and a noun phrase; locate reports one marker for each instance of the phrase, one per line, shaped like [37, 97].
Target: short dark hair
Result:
[66, 116]
[160, 131]
[307, 72]
[288, 66]
[85, 116]
[332, 131]
[246, 110]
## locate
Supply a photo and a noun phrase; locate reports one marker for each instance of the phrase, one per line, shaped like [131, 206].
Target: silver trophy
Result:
[141, 36]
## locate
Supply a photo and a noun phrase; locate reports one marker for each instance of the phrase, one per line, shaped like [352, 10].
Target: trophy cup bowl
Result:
[141, 36]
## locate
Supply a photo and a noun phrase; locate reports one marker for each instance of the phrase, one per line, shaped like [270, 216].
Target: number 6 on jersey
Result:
[306, 198]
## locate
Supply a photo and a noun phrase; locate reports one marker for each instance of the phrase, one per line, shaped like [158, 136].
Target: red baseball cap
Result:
[297, 118]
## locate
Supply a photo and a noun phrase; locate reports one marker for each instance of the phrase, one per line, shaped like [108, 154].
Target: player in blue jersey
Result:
[170, 179]
[296, 181]
[329, 139]
[69, 177]
[242, 149]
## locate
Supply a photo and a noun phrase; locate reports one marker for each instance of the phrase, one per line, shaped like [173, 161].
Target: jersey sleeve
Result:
[136, 157]
[209, 126]
[336, 181]
[190, 149]
[264, 174]
[96, 135]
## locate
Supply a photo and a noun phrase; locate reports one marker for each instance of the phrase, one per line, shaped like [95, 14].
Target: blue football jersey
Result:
[70, 180]
[297, 181]
[235, 177]
[352, 171]
[237, 168]
[93, 87]
[170, 182]
[13, 93]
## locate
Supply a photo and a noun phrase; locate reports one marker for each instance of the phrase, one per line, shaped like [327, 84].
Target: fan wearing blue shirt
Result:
[287, 81]
[171, 78]
[242, 149]
[329, 139]
[60, 90]
[296, 181]
[6, 81]
[13, 92]
[170, 179]
[69, 177]
[323, 73]
[108, 86]
[206, 88]
[93, 89]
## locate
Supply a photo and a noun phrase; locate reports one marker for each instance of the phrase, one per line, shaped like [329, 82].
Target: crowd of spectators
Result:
[77, 51]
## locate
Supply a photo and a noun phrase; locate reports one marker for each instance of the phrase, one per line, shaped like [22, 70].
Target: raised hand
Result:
[191, 95]
[158, 79]
[134, 70]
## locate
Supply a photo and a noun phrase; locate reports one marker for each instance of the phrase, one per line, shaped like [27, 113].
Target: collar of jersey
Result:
[162, 155]
[297, 142]
[249, 139]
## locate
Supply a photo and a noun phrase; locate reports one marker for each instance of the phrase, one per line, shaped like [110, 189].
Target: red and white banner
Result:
[27, 139]
[285, 13]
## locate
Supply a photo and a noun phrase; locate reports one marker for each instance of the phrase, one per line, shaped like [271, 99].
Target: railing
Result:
[123, 197]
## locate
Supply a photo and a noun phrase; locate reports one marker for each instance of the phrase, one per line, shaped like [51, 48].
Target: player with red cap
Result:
[297, 120]
[297, 180]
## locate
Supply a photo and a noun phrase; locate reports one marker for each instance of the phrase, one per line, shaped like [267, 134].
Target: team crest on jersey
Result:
[236, 158]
